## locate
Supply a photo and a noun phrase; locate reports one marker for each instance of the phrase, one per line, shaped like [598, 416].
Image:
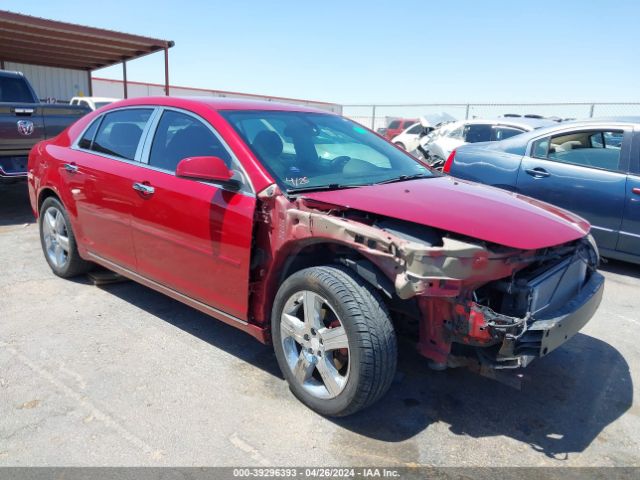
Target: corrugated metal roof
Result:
[39, 41]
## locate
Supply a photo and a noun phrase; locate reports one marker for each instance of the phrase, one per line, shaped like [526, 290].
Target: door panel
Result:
[597, 195]
[195, 238]
[99, 176]
[629, 241]
[192, 236]
[101, 188]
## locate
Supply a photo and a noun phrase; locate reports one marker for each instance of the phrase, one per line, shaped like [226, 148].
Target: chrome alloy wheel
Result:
[56, 237]
[315, 344]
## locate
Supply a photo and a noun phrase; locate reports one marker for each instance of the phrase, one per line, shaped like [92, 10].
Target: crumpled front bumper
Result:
[547, 333]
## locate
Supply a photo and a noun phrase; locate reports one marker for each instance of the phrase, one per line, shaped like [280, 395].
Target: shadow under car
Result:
[565, 401]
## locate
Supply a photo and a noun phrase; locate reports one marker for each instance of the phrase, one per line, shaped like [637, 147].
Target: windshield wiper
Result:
[331, 186]
[404, 178]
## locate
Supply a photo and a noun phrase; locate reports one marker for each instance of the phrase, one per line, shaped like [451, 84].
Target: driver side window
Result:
[179, 136]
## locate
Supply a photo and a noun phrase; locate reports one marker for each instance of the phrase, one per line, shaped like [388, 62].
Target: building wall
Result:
[103, 87]
[50, 82]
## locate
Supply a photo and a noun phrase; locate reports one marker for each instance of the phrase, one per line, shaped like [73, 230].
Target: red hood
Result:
[465, 208]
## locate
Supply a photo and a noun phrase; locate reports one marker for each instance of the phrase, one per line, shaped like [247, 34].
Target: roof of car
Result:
[10, 74]
[520, 122]
[521, 140]
[581, 123]
[217, 103]
[622, 119]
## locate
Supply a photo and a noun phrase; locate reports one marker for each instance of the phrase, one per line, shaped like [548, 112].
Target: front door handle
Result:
[71, 167]
[143, 188]
[538, 172]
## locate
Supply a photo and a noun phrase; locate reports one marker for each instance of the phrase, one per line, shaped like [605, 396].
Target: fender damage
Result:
[475, 303]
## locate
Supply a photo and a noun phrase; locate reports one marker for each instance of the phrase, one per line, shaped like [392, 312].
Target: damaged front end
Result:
[465, 301]
[539, 307]
[492, 308]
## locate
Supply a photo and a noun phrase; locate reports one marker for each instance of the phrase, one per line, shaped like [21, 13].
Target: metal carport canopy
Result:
[39, 41]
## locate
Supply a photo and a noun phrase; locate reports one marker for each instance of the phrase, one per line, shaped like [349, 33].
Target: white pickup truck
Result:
[93, 103]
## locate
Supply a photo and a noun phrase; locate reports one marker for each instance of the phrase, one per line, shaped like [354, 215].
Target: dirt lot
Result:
[121, 375]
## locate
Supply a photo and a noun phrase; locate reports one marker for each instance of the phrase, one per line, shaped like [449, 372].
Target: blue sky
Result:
[385, 52]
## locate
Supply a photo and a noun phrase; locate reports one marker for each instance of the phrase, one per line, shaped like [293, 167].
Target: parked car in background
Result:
[227, 206]
[437, 146]
[589, 167]
[526, 115]
[410, 138]
[24, 121]
[396, 127]
[93, 103]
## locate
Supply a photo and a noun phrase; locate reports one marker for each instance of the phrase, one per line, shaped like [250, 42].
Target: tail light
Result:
[447, 165]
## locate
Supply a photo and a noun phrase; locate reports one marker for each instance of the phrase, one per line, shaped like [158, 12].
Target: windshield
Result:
[313, 150]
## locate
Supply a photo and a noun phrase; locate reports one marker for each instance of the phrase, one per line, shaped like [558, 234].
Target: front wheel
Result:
[333, 340]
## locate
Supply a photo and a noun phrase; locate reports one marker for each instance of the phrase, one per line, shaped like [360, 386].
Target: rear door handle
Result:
[71, 167]
[144, 189]
[636, 190]
[538, 172]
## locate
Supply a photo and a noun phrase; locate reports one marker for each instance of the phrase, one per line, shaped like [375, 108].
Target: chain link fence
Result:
[379, 116]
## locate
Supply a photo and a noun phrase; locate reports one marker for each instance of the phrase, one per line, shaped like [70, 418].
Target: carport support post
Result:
[593, 106]
[373, 117]
[90, 83]
[466, 113]
[166, 71]
[124, 78]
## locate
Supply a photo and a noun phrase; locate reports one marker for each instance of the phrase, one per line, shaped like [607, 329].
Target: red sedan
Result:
[396, 127]
[303, 228]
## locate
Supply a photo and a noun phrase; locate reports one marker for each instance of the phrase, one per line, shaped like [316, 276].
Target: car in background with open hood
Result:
[437, 146]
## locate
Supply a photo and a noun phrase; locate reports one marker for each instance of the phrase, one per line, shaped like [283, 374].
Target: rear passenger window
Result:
[89, 134]
[180, 136]
[394, 124]
[477, 132]
[120, 131]
[502, 133]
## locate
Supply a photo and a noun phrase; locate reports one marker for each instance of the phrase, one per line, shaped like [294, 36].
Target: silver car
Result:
[439, 144]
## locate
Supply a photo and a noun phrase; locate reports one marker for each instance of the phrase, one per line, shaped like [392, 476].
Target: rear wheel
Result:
[401, 145]
[58, 242]
[333, 339]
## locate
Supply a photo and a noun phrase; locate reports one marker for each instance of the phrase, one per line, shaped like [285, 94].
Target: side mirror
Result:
[212, 169]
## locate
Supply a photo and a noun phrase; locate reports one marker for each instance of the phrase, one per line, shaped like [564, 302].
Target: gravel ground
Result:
[122, 375]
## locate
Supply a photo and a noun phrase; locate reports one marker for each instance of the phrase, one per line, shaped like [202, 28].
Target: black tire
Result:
[401, 145]
[74, 264]
[370, 333]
